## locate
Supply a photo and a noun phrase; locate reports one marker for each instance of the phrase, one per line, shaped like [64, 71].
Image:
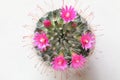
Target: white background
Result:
[14, 63]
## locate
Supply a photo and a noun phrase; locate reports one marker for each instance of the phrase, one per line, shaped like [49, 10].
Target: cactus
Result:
[64, 37]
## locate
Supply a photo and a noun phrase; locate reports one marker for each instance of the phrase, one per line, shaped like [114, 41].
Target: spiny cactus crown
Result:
[56, 37]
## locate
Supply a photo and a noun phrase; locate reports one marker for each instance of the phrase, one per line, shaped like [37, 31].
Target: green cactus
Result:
[63, 37]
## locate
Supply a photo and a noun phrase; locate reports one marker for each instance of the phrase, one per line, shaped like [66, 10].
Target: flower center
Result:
[77, 60]
[86, 41]
[42, 40]
[60, 62]
[67, 14]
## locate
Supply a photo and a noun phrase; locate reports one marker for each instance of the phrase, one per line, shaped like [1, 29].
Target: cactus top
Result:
[63, 38]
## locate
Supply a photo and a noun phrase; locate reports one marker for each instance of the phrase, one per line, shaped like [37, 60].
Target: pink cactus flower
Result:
[68, 14]
[74, 25]
[77, 61]
[59, 63]
[47, 23]
[87, 40]
[41, 41]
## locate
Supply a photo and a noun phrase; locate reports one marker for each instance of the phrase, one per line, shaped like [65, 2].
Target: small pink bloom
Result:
[87, 40]
[47, 23]
[41, 41]
[74, 25]
[78, 61]
[68, 14]
[59, 63]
